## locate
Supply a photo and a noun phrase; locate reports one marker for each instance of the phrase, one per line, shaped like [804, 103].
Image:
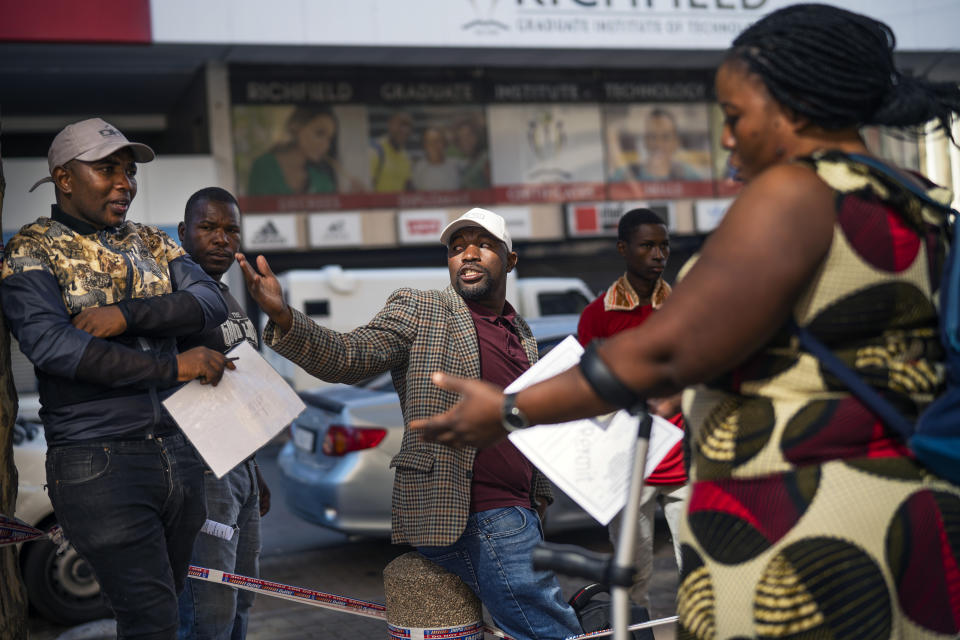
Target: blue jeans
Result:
[132, 509]
[217, 611]
[493, 558]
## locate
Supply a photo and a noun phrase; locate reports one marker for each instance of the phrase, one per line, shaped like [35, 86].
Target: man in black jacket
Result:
[97, 303]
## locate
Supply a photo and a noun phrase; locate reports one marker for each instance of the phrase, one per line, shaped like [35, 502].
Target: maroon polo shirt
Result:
[501, 474]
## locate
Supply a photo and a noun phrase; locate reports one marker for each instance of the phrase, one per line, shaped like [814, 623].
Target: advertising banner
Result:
[299, 157]
[310, 142]
[658, 150]
[428, 155]
[546, 152]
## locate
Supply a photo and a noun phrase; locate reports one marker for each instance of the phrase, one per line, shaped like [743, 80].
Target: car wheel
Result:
[62, 588]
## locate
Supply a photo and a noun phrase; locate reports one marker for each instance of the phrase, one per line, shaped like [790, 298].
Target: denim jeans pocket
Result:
[78, 465]
[503, 522]
[442, 556]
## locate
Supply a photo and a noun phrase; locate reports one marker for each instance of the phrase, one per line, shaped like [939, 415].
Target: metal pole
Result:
[627, 542]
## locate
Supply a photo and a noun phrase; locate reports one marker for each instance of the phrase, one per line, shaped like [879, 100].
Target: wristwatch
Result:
[510, 416]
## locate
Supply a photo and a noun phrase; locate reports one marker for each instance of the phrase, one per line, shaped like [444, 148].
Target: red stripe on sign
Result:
[661, 190]
[72, 21]
[551, 192]
[368, 200]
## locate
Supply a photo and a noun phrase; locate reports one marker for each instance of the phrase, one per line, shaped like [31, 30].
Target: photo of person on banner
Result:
[291, 150]
[435, 170]
[657, 143]
[428, 148]
[470, 148]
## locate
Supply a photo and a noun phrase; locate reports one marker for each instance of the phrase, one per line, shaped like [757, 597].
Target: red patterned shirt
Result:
[617, 310]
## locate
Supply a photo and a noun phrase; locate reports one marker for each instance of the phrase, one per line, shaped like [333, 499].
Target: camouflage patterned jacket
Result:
[92, 388]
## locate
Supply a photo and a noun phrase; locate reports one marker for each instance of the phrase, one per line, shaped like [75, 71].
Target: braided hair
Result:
[836, 68]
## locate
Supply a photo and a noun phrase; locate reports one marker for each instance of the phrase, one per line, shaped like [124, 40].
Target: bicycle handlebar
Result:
[575, 561]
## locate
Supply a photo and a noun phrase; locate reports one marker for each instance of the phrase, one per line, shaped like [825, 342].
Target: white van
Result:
[343, 299]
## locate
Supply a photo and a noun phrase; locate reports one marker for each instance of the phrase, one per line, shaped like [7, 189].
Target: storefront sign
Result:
[708, 213]
[269, 233]
[599, 219]
[518, 221]
[920, 25]
[335, 230]
[421, 226]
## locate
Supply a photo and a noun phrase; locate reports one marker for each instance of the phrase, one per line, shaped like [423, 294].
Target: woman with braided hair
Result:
[807, 518]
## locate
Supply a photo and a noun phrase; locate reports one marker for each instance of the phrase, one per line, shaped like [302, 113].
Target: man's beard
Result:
[477, 291]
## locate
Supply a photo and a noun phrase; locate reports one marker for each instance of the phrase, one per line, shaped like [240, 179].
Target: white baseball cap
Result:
[478, 217]
[90, 140]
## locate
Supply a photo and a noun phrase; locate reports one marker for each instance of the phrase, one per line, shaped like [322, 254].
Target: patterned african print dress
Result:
[808, 518]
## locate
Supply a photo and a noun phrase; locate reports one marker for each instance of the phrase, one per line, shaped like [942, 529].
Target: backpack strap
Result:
[950, 310]
[876, 403]
[902, 180]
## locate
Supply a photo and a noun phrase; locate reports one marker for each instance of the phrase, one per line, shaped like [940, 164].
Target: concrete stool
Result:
[424, 597]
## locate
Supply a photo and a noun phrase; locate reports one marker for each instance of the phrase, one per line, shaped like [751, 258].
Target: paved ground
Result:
[300, 554]
[354, 570]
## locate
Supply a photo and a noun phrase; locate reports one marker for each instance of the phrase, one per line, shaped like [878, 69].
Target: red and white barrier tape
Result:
[287, 592]
[350, 605]
[14, 531]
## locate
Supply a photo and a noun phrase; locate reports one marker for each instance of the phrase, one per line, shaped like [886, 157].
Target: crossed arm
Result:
[80, 348]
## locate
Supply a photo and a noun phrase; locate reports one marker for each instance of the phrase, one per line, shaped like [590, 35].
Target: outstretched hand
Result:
[474, 421]
[266, 291]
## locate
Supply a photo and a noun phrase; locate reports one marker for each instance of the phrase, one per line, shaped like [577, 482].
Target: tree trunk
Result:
[13, 596]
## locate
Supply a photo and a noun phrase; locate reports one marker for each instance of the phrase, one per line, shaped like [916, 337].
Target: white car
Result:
[61, 588]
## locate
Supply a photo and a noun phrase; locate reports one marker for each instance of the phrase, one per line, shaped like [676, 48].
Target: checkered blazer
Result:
[415, 334]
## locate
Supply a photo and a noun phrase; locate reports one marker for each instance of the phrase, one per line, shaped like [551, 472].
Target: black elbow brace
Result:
[606, 385]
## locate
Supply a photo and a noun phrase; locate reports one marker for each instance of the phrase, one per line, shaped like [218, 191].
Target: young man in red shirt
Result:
[643, 242]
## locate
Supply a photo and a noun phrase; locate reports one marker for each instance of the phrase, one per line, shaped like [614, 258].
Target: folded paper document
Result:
[229, 422]
[589, 460]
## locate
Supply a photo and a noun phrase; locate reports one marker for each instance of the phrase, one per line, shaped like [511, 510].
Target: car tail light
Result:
[341, 440]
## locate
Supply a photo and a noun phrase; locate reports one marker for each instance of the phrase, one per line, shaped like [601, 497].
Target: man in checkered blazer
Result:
[473, 512]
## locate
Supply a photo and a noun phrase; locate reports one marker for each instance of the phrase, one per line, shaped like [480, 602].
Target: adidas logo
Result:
[268, 234]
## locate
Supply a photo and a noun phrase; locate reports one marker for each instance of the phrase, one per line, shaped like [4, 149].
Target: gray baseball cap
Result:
[90, 140]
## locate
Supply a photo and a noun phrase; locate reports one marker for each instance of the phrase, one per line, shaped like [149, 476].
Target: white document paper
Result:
[589, 460]
[229, 422]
